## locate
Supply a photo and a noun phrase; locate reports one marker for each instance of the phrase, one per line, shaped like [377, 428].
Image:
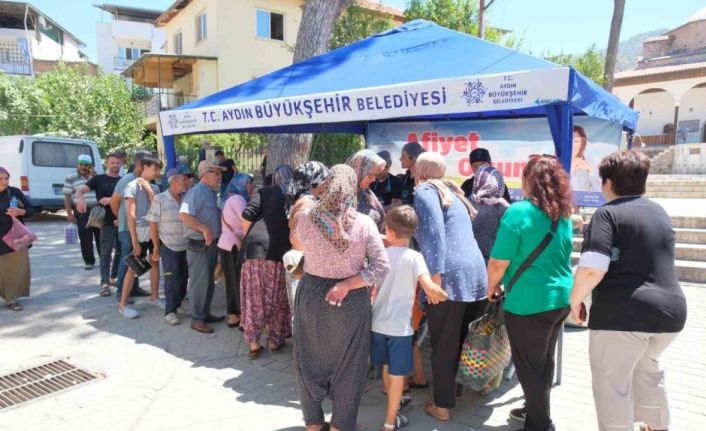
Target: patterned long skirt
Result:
[263, 301]
[331, 349]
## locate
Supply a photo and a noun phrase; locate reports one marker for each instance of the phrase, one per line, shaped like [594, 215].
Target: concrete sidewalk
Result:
[158, 377]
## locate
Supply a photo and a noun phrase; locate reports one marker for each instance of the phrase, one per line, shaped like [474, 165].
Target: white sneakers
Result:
[132, 313]
[171, 319]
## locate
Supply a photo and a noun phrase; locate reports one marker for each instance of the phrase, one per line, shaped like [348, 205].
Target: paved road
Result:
[158, 377]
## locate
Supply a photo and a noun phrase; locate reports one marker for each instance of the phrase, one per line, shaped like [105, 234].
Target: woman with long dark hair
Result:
[537, 304]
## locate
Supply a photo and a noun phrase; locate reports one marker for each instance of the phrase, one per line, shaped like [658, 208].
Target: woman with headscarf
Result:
[14, 264]
[445, 236]
[303, 190]
[332, 317]
[367, 165]
[487, 198]
[263, 292]
[230, 243]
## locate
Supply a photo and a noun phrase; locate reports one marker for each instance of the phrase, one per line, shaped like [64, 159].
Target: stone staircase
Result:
[690, 249]
[662, 160]
[676, 186]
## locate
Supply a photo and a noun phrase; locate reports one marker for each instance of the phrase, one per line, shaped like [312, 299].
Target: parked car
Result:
[38, 165]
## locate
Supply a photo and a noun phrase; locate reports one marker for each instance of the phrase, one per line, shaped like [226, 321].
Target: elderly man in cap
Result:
[86, 235]
[479, 157]
[408, 157]
[202, 220]
[387, 188]
[170, 241]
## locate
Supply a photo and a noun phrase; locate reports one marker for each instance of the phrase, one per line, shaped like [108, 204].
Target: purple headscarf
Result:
[489, 187]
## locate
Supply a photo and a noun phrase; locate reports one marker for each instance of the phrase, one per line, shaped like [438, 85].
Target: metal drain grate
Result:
[30, 384]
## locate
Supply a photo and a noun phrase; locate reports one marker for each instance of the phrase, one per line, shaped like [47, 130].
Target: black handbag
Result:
[138, 264]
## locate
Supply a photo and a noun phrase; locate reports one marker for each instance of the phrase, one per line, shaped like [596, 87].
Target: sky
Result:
[568, 26]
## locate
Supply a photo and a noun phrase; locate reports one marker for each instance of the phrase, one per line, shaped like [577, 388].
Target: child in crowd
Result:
[392, 330]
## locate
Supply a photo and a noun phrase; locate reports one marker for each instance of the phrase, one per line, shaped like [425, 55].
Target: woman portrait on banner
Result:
[14, 256]
[584, 175]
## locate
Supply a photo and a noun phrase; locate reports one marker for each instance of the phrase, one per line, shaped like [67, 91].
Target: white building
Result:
[125, 34]
[31, 42]
[668, 86]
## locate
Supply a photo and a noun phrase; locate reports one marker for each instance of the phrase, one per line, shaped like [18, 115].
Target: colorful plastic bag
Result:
[486, 350]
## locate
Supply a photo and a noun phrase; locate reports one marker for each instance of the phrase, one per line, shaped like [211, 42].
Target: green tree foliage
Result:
[459, 15]
[590, 63]
[244, 148]
[357, 23]
[331, 149]
[70, 102]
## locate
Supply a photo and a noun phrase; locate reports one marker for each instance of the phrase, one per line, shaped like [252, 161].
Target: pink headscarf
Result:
[431, 167]
[334, 212]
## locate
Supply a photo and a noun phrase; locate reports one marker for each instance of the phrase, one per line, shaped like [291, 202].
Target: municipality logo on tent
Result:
[173, 121]
[474, 92]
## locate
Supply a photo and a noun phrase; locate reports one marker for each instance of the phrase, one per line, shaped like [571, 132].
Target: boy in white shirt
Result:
[392, 332]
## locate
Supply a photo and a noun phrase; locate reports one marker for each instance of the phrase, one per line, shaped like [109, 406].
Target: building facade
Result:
[124, 34]
[212, 45]
[668, 85]
[31, 42]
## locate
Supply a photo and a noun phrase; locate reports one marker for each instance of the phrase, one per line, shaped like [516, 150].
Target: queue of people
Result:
[319, 256]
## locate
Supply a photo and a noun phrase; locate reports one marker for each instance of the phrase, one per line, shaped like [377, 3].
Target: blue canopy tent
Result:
[415, 72]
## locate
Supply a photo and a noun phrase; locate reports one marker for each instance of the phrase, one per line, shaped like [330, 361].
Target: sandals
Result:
[14, 306]
[254, 354]
[105, 291]
[430, 409]
[404, 403]
[400, 422]
[234, 325]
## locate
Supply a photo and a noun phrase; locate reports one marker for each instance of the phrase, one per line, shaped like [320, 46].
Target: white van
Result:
[38, 165]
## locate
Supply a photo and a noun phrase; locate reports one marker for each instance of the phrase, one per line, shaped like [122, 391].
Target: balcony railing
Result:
[654, 140]
[121, 63]
[16, 68]
[164, 102]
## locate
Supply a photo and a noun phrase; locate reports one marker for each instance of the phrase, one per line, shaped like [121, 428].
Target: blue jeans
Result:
[176, 277]
[125, 250]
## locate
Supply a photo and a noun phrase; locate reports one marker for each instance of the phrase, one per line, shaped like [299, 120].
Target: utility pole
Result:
[482, 7]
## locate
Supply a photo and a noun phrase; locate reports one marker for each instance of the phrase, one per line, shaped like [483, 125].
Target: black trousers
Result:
[448, 327]
[533, 341]
[86, 237]
[232, 264]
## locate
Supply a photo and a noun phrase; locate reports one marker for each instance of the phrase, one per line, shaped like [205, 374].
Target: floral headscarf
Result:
[239, 185]
[334, 213]
[489, 187]
[431, 167]
[363, 162]
[306, 177]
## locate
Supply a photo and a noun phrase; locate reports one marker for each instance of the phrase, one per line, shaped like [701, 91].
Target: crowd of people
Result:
[359, 265]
